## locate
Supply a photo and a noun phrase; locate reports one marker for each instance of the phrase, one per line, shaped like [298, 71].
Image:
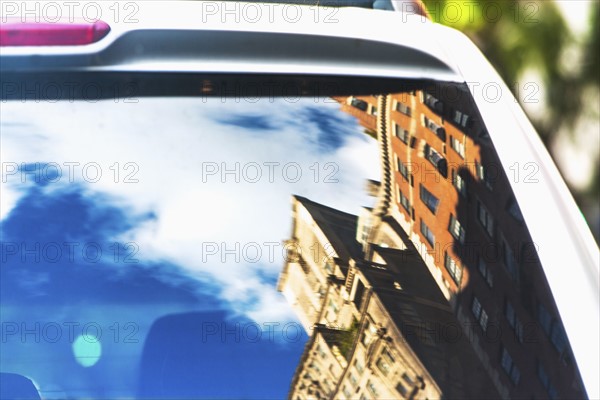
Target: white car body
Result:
[292, 39]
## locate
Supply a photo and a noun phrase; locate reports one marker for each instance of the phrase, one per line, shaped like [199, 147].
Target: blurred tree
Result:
[518, 36]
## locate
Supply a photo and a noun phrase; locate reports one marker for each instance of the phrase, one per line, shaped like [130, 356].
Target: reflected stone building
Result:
[380, 328]
[437, 291]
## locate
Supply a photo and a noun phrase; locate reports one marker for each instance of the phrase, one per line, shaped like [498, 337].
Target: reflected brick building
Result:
[444, 247]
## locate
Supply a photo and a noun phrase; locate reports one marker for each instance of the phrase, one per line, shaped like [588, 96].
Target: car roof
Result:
[212, 37]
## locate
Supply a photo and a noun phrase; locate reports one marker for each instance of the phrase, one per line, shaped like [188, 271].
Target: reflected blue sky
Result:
[250, 122]
[152, 292]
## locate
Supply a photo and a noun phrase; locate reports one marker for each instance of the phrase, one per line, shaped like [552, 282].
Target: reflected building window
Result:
[514, 210]
[457, 146]
[483, 175]
[346, 392]
[439, 131]
[408, 379]
[433, 103]
[402, 389]
[401, 134]
[435, 158]
[509, 260]
[484, 135]
[513, 320]
[456, 229]
[485, 219]
[454, 269]
[359, 104]
[320, 352]
[546, 382]
[352, 379]
[558, 336]
[486, 272]
[385, 362]
[372, 389]
[459, 183]
[333, 308]
[359, 366]
[406, 204]
[479, 313]
[509, 367]
[544, 318]
[427, 233]
[461, 119]
[403, 169]
[429, 199]
[403, 108]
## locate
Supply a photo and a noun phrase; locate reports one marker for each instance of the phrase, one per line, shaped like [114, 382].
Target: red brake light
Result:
[18, 33]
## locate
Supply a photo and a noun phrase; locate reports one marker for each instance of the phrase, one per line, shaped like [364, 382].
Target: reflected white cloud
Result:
[166, 145]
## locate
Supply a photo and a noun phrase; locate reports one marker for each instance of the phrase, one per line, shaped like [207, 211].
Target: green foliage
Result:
[347, 337]
[522, 35]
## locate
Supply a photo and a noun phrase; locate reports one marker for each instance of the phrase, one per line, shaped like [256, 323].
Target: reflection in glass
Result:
[447, 279]
[161, 230]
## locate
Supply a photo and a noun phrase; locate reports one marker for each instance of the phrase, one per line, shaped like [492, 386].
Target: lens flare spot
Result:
[87, 350]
